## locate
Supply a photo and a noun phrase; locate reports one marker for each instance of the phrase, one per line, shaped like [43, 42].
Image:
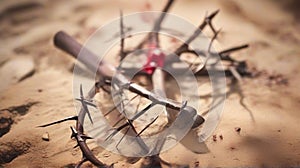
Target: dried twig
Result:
[156, 28]
[200, 67]
[196, 33]
[122, 52]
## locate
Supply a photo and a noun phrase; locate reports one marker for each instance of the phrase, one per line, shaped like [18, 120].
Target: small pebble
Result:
[46, 137]
[238, 129]
[215, 138]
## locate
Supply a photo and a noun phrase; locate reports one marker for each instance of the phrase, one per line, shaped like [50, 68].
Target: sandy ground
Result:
[36, 81]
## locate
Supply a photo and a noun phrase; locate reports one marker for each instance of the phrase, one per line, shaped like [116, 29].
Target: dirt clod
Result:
[215, 138]
[11, 150]
[5, 122]
[7, 116]
[221, 137]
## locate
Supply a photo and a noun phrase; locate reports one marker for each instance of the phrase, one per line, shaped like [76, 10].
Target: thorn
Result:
[122, 138]
[137, 115]
[184, 103]
[84, 105]
[207, 20]
[227, 51]
[213, 39]
[81, 92]
[117, 130]
[158, 22]
[212, 15]
[60, 121]
[120, 103]
[88, 102]
[85, 137]
[74, 132]
[148, 125]
[111, 135]
[131, 125]
[77, 145]
[118, 121]
[201, 66]
[85, 108]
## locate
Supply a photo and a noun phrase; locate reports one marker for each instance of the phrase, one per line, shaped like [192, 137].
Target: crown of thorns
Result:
[65, 42]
